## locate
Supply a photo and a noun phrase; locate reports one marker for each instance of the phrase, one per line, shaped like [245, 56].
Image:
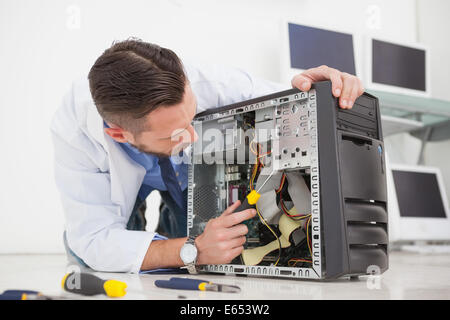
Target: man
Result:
[113, 136]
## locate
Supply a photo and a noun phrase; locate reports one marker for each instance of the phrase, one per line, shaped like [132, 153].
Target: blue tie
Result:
[171, 182]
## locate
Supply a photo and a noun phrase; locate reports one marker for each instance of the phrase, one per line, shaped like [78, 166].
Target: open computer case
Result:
[323, 214]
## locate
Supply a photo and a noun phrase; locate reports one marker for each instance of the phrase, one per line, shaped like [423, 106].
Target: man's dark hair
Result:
[133, 78]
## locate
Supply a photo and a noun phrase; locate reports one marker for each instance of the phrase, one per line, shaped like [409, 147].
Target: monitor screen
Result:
[398, 65]
[418, 194]
[311, 47]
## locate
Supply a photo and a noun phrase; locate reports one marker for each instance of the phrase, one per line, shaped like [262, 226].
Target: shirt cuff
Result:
[159, 237]
[143, 251]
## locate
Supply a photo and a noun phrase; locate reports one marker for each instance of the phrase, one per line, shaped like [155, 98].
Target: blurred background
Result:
[46, 44]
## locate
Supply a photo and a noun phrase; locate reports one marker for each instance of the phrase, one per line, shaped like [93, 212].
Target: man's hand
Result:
[223, 237]
[345, 86]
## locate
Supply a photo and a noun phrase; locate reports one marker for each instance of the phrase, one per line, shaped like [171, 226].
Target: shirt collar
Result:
[136, 151]
[129, 146]
[126, 144]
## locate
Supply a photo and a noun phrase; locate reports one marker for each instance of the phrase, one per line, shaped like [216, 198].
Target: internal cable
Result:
[255, 170]
[283, 178]
[289, 214]
[271, 230]
[308, 239]
[293, 262]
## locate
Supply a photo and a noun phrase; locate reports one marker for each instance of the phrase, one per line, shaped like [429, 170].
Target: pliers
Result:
[195, 284]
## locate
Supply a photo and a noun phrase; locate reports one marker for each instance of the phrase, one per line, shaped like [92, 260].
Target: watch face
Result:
[188, 253]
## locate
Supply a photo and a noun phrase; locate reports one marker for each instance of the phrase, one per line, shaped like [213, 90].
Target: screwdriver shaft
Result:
[265, 181]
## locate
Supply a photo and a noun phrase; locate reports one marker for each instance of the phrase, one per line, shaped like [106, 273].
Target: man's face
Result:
[170, 129]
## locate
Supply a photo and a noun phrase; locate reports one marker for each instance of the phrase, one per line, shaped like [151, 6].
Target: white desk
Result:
[410, 276]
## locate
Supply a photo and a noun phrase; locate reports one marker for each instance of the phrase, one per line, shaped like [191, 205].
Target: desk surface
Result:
[411, 276]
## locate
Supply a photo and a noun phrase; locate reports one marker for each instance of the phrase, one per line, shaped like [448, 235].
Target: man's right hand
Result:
[224, 236]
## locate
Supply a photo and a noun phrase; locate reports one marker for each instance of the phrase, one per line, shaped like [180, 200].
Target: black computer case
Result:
[347, 180]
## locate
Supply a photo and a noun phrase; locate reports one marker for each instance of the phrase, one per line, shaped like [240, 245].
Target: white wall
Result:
[47, 43]
[433, 29]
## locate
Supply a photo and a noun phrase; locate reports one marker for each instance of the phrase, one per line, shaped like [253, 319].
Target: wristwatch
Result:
[188, 255]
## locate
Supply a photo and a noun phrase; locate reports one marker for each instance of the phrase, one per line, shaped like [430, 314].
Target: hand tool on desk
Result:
[252, 198]
[88, 284]
[27, 295]
[195, 284]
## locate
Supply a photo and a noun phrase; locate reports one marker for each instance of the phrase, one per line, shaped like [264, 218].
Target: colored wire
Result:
[307, 236]
[256, 152]
[287, 212]
[271, 230]
[258, 146]
[283, 178]
[255, 170]
[252, 149]
[283, 207]
[293, 262]
[264, 154]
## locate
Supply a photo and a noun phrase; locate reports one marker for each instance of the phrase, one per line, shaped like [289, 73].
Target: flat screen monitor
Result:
[308, 47]
[396, 67]
[418, 194]
[420, 205]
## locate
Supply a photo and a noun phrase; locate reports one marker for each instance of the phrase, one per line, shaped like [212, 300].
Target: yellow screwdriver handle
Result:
[87, 284]
[249, 201]
[253, 197]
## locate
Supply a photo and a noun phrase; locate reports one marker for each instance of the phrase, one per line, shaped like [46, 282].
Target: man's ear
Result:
[117, 134]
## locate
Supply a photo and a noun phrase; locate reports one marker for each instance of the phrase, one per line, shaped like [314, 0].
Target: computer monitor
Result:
[307, 47]
[418, 205]
[397, 67]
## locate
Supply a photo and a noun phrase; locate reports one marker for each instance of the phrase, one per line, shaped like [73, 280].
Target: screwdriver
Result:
[27, 295]
[87, 284]
[195, 284]
[252, 198]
